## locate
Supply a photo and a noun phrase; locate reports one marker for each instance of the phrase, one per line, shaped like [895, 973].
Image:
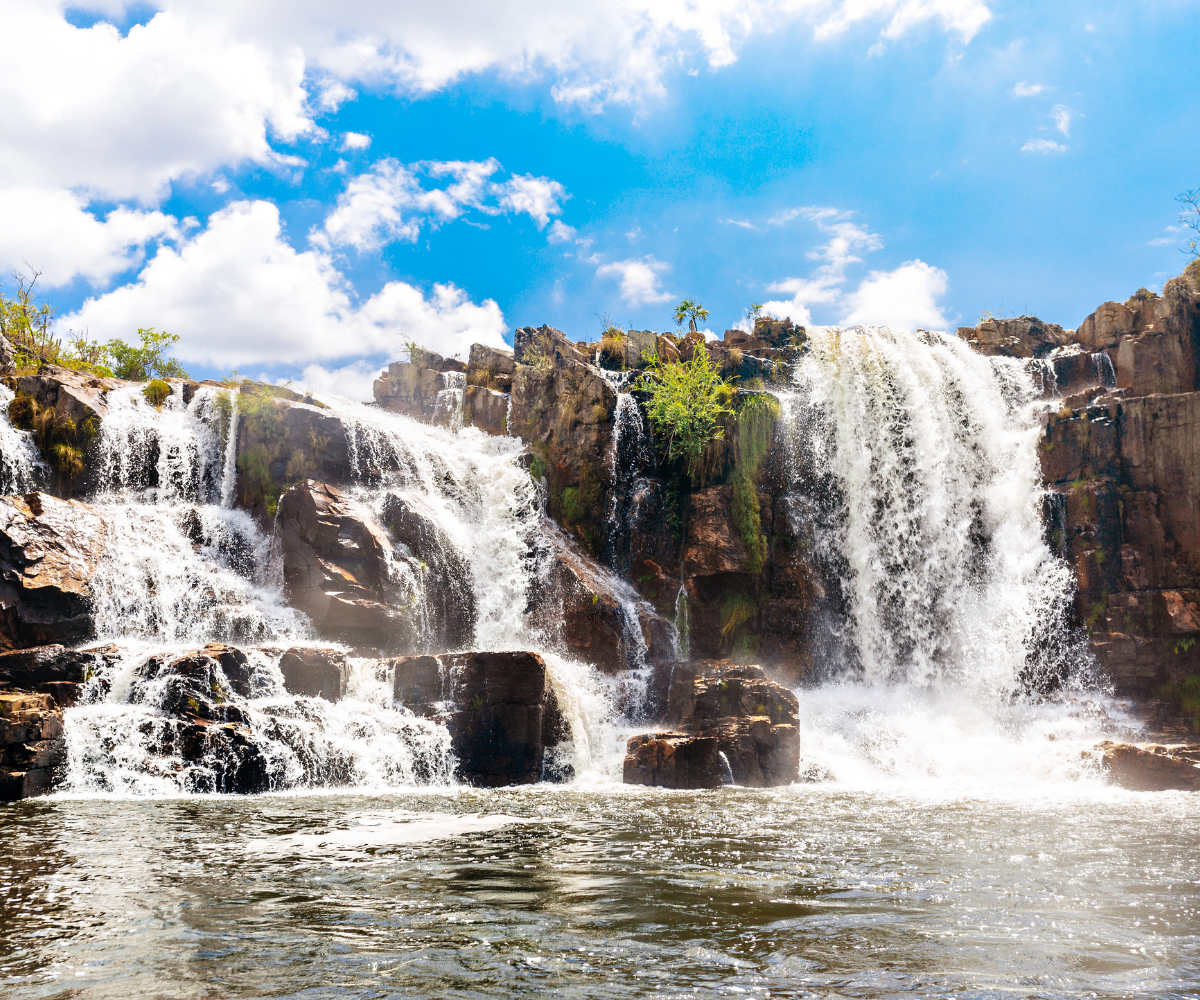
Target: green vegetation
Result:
[29, 327]
[687, 401]
[752, 434]
[736, 610]
[1190, 217]
[1185, 696]
[691, 311]
[60, 439]
[156, 392]
[539, 354]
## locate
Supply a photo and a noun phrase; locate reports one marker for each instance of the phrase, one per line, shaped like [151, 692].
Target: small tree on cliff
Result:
[691, 311]
[687, 400]
[1190, 217]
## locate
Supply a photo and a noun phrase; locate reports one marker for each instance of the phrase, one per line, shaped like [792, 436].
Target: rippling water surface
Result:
[608, 892]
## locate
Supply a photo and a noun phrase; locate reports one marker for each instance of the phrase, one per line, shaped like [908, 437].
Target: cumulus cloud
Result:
[1024, 89]
[239, 295]
[560, 232]
[54, 232]
[905, 298]
[1043, 146]
[355, 140]
[640, 279]
[390, 203]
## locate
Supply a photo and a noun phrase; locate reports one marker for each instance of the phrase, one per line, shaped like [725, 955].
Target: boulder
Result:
[674, 760]
[315, 673]
[500, 709]
[1017, 337]
[188, 686]
[49, 550]
[1149, 767]
[31, 745]
[491, 367]
[755, 720]
[73, 394]
[411, 389]
[211, 757]
[336, 567]
[8, 367]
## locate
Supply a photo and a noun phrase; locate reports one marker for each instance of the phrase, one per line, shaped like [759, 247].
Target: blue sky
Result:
[296, 189]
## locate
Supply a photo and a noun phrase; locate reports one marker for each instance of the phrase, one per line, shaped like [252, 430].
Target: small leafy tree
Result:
[756, 309]
[27, 324]
[691, 311]
[140, 364]
[687, 401]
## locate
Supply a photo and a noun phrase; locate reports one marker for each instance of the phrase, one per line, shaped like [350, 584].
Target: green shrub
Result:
[139, 364]
[156, 392]
[61, 441]
[685, 406]
[736, 610]
[752, 433]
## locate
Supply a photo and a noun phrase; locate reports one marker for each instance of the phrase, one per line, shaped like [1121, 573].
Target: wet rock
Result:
[500, 709]
[31, 746]
[216, 757]
[190, 686]
[448, 578]
[754, 719]
[315, 673]
[1149, 767]
[673, 760]
[72, 394]
[49, 549]
[601, 618]
[712, 545]
[335, 565]
[53, 670]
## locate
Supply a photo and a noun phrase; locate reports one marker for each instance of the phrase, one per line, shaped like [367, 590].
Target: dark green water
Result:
[813, 891]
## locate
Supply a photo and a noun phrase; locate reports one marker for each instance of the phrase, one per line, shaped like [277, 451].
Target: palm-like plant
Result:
[691, 311]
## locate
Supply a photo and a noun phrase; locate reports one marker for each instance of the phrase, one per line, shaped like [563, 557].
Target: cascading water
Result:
[916, 477]
[630, 457]
[183, 568]
[448, 404]
[20, 463]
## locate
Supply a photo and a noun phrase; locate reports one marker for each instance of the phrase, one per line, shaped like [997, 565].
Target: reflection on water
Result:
[807, 891]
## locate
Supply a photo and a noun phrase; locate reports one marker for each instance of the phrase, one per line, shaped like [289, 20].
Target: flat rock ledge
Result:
[1149, 767]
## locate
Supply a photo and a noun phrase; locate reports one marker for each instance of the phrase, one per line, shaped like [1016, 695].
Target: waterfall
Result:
[448, 404]
[20, 463]
[925, 457]
[630, 454]
[183, 568]
[914, 471]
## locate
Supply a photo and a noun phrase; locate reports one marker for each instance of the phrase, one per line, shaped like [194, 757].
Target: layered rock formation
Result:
[49, 549]
[31, 745]
[501, 710]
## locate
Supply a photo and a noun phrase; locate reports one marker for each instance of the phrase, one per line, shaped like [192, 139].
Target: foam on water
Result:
[20, 463]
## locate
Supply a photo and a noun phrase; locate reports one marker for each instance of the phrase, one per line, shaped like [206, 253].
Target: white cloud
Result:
[121, 117]
[740, 223]
[389, 202]
[1024, 89]
[537, 197]
[847, 238]
[239, 295]
[353, 381]
[53, 231]
[905, 298]
[355, 140]
[639, 279]
[560, 232]
[1062, 118]
[1043, 146]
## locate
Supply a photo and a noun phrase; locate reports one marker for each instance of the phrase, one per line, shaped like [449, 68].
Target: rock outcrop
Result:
[313, 672]
[500, 708]
[72, 394]
[1149, 767]
[754, 721]
[53, 670]
[674, 760]
[49, 549]
[31, 745]
[345, 572]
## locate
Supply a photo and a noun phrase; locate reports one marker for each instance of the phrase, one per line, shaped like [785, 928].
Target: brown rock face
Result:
[31, 745]
[754, 720]
[1021, 337]
[1150, 767]
[53, 670]
[49, 549]
[712, 545]
[486, 409]
[72, 394]
[315, 673]
[673, 760]
[596, 612]
[337, 560]
[8, 367]
[500, 709]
